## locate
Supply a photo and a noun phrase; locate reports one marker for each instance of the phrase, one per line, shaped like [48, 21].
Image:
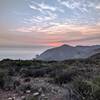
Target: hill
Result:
[65, 52]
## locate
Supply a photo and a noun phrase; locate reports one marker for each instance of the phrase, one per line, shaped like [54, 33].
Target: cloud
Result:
[64, 21]
[23, 30]
[64, 28]
[94, 5]
[46, 7]
[71, 4]
[48, 13]
[98, 7]
[80, 39]
[43, 19]
[41, 6]
[35, 8]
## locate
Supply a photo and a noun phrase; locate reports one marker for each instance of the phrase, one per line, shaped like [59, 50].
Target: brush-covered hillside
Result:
[77, 79]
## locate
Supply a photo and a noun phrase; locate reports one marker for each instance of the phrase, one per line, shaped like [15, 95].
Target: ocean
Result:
[19, 53]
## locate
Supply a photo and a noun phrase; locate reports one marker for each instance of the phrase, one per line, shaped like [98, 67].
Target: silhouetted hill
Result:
[65, 52]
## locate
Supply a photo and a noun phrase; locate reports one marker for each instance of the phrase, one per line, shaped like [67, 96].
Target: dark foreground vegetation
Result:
[39, 80]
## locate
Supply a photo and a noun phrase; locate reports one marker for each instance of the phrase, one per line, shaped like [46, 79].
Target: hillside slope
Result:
[65, 52]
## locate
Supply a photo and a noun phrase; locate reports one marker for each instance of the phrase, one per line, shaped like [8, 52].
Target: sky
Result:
[48, 23]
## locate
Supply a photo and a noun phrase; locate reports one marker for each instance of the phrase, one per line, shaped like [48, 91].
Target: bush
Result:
[64, 77]
[2, 80]
[25, 87]
[38, 72]
[96, 94]
[84, 89]
[16, 84]
[97, 81]
[27, 80]
[32, 98]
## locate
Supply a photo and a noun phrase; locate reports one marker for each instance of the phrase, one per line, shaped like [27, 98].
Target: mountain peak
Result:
[65, 45]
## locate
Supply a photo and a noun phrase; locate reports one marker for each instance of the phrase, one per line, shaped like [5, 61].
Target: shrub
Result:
[64, 77]
[16, 84]
[84, 89]
[32, 98]
[96, 94]
[97, 81]
[25, 87]
[2, 80]
[27, 80]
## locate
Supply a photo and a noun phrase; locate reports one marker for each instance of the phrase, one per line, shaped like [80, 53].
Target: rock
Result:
[10, 98]
[36, 94]
[42, 95]
[22, 97]
[28, 91]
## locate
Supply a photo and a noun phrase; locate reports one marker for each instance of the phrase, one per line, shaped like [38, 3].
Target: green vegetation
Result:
[83, 75]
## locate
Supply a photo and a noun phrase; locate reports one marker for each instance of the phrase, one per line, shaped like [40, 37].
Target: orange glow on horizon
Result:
[55, 44]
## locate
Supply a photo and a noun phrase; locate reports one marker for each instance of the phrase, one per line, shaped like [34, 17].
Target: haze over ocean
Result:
[20, 53]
